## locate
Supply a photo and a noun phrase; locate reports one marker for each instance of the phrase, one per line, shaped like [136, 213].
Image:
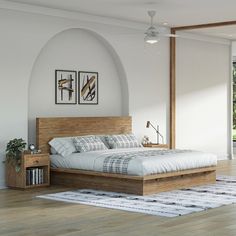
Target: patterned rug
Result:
[168, 204]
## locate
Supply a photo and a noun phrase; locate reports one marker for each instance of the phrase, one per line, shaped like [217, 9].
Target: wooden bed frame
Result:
[48, 128]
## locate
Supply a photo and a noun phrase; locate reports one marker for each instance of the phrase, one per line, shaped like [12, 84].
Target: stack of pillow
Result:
[65, 146]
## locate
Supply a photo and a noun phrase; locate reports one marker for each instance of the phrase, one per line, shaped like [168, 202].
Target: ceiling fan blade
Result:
[170, 35]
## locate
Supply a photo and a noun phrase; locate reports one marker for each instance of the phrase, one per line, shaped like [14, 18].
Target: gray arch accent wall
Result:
[76, 49]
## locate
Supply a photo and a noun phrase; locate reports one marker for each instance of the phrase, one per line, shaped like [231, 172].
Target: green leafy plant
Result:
[14, 149]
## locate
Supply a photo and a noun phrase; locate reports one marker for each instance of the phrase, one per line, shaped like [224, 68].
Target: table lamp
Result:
[157, 131]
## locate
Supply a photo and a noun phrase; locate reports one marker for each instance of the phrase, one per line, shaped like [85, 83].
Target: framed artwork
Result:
[88, 88]
[65, 87]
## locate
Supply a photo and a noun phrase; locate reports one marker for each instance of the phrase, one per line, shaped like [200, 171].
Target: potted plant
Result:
[14, 150]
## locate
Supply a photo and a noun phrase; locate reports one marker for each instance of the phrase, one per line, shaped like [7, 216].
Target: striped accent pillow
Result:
[87, 144]
[122, 141]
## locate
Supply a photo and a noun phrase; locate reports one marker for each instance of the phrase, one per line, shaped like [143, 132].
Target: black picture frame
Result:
[87, 88]
[65, 87]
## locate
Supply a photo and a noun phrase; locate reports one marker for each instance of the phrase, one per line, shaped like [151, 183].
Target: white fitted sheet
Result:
[140, 166]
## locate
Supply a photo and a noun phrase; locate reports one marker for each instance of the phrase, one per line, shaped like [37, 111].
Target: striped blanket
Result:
[119, 162]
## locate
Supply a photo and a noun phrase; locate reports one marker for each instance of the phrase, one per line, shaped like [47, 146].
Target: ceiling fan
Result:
[153, 34]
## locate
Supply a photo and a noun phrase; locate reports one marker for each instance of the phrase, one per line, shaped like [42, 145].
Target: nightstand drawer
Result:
[31, 161]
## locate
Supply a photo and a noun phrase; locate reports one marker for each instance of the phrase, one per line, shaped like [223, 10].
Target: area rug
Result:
[168, 204]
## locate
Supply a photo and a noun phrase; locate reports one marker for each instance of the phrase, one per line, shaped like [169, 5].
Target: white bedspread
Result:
[142, 165]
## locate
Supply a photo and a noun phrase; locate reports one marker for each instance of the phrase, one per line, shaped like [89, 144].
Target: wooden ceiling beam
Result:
[208, 25]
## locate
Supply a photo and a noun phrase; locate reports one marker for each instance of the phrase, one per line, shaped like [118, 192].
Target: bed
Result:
[126, 182]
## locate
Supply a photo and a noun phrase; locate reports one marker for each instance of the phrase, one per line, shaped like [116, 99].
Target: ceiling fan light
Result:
[151, 39]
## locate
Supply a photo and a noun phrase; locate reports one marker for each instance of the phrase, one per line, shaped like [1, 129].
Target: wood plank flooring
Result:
[23, 214]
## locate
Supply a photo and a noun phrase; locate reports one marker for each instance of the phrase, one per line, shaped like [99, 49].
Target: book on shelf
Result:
[34, 176]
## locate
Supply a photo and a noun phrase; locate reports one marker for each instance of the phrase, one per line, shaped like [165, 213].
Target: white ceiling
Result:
[175, 12]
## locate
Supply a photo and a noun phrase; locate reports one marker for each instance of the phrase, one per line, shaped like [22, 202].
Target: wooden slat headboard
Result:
[48, 128]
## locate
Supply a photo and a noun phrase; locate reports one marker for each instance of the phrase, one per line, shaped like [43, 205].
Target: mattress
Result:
[135, 161]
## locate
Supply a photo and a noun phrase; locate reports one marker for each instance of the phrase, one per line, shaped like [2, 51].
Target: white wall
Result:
[147, 69]
[28, 57]
[24, 35]
[234, 49]
[203, 96]
[202, 77]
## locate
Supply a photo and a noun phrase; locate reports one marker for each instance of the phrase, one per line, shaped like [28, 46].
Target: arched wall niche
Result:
[80, 50]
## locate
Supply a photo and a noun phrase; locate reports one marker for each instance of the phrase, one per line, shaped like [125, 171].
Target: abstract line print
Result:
[88, 87]
[65, 87]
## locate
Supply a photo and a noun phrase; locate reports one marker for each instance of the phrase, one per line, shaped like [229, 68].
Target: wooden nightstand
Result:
[34, 171]
[156, 145]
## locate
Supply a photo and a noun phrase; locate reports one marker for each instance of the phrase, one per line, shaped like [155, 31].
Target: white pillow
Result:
[63, 146]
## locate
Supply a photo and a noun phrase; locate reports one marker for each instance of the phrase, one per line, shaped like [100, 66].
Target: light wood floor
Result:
[23, 214]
